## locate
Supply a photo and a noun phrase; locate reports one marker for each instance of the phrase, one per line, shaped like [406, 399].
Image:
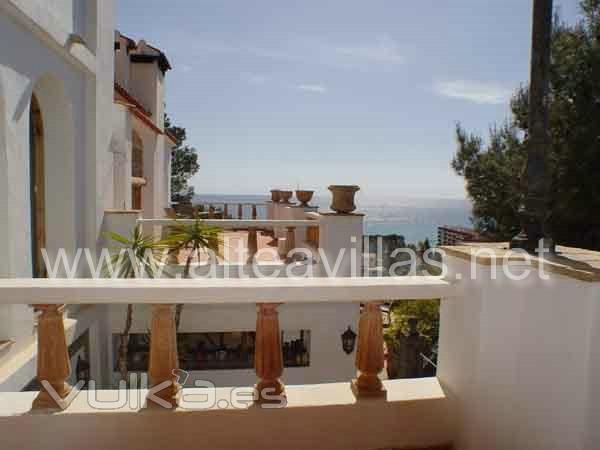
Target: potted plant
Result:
[304, 197]
[343, 198]
[194, 238]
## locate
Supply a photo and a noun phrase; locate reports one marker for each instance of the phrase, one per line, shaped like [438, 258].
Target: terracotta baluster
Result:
[163, 353]
[268, 356]
[252, 244]
[240, 211]
[53, 363]
[290, 242]
[254, 212]
[369, 354]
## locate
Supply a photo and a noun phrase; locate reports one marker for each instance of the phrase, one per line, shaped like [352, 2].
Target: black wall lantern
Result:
[348, 340]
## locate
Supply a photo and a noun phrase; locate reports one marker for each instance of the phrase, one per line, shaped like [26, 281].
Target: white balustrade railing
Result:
[235, 224]
[218, 290]
[230, 209]
[49, 295]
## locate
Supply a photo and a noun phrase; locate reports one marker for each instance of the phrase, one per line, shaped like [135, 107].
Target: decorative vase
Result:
[304, 197]
[286, 196]
[275, 195]
[343, 198]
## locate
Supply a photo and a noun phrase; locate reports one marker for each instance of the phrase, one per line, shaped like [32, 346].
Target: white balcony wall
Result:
[414, 413]
[519, 360]
[321, 417]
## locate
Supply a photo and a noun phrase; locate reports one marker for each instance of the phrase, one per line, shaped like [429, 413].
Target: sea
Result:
[413, 218]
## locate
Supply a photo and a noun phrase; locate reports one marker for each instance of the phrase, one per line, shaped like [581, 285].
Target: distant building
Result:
[449, 235]
[141, 146]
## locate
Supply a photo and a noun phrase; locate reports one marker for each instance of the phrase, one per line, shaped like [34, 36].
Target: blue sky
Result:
[279, 93]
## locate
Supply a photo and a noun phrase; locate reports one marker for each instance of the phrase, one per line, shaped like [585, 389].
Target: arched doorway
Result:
[37, 188]
[53, 191]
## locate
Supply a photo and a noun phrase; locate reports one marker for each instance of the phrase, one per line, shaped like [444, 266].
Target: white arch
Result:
[59, 162]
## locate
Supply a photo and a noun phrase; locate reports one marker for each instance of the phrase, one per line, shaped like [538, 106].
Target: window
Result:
[216, 351]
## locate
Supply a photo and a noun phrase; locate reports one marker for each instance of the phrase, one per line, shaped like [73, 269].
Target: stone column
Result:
[225, 210]
[268, 356]
[252, 244]
[254, 212]
[163, 353]
[369, 355]
[240, 211]
[337, 232]
[53, 364]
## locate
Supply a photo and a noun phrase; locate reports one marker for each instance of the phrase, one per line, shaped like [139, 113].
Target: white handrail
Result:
[228, 204]
[235, 223]
[219, 291]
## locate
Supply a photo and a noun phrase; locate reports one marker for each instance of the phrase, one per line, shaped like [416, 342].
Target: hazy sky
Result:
[311, 93]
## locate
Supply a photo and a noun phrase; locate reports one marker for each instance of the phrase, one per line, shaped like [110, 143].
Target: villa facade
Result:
[85, 151]
[81, 136]
[141, 146]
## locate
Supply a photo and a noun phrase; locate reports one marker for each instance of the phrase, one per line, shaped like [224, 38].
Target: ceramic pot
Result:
[304, 197]
[343, 198]
[286, 196]
[275, 195]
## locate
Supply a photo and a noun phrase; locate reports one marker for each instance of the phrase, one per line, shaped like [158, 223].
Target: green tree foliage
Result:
[184, 164]
[426, 311]
[492, 169]
[193, 238]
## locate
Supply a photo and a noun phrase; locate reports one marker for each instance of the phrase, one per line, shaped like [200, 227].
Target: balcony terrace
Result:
[516, 366]
[364, 414]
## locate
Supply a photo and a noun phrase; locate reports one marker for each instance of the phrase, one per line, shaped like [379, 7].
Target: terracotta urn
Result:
[275, 195]
[343, 198]
[304, 197]
[286, 196]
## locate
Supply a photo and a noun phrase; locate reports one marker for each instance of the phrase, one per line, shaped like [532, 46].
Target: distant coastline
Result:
[413, 218]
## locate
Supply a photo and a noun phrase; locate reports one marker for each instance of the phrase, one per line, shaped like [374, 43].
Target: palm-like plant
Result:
[194, 237]
[136, 258]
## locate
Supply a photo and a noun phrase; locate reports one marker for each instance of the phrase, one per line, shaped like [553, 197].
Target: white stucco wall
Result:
[161, 186]
[4, 189]
[146, 83]
[25, 68]
[122, 62]
[518, 360]
[75, 92]
[64, 11]
[118, 181]
[326, 322]
[74, 102]
[143, 84]
[100, 98]
[151, 160]
[340, 239]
